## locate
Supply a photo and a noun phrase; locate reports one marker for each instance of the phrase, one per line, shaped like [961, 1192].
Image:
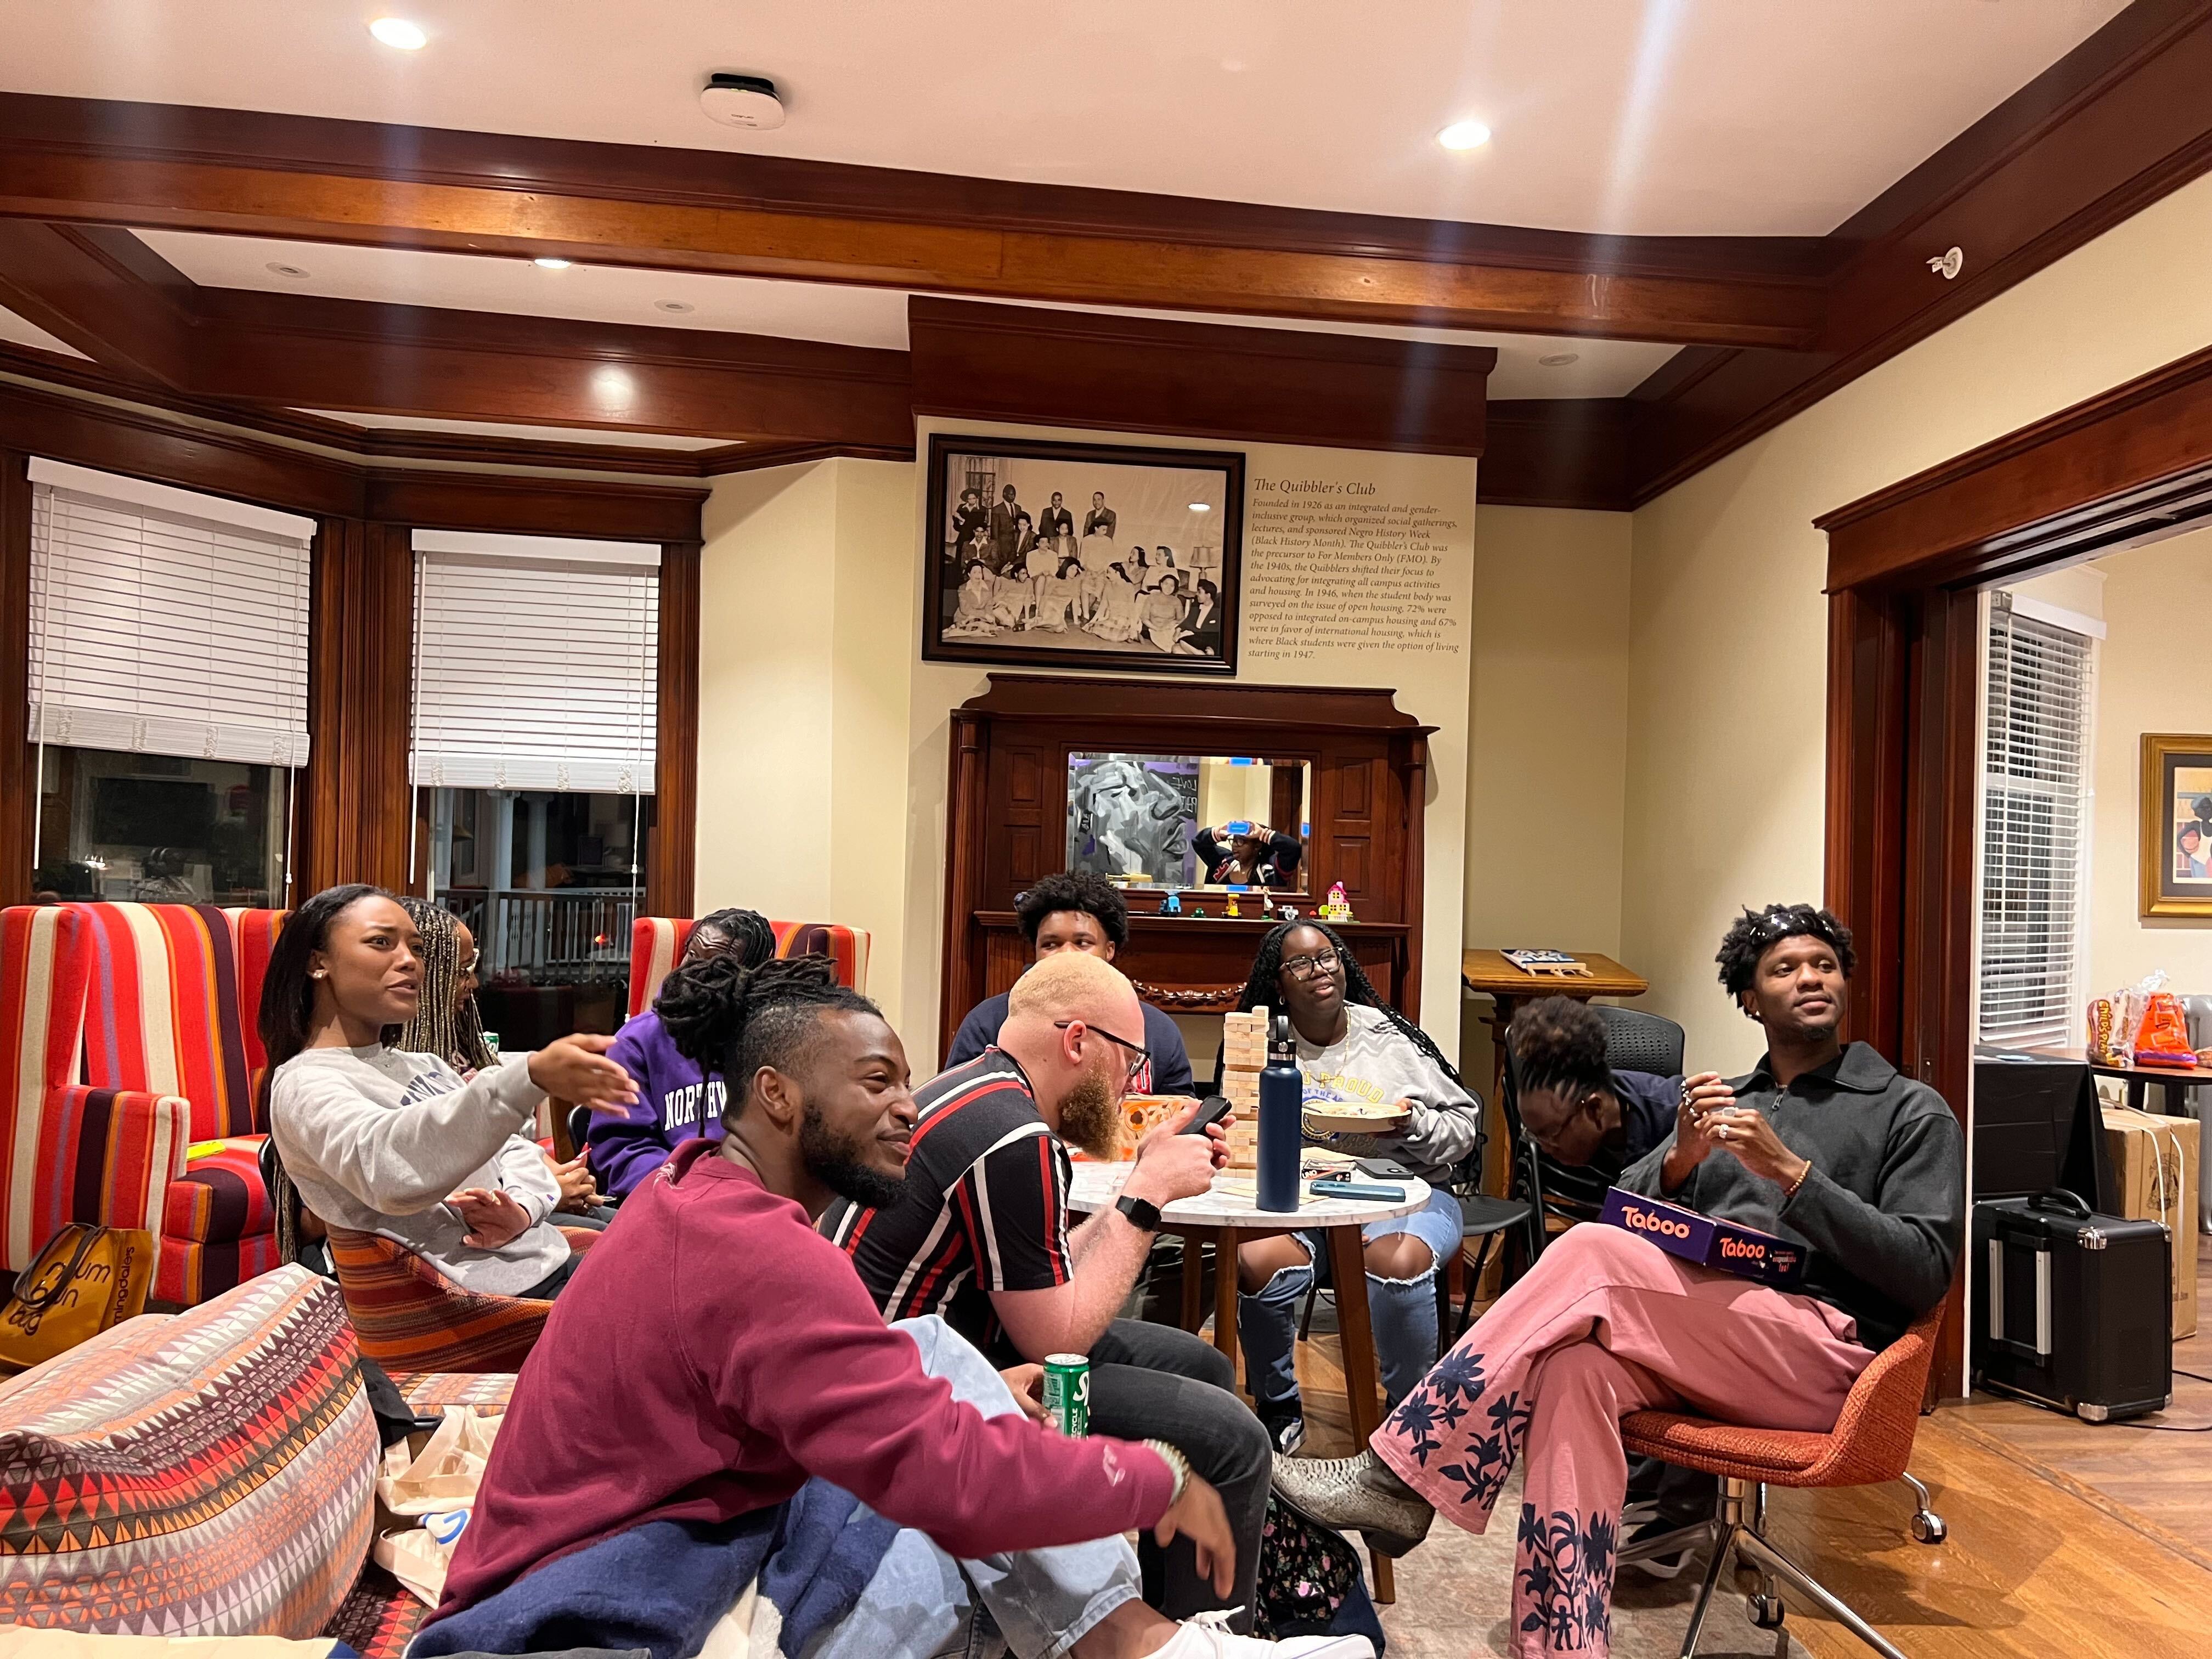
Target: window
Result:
[535, 718]
[2035, 827]
[168, 690]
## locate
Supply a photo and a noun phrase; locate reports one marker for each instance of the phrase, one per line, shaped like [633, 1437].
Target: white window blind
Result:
[535, 673]
[160, 632]
[2036, 798]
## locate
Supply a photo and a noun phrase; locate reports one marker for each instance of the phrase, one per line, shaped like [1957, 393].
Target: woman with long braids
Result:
[677, 1097]
[447, 1024]
[380, 1141]
[1352, 1047]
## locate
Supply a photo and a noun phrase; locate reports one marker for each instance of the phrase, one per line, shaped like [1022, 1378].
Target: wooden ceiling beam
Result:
[247, 173]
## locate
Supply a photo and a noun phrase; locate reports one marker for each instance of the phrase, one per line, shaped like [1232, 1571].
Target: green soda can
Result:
[1067, 1393]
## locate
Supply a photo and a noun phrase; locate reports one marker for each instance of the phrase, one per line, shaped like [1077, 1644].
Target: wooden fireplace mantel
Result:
[1367, 763]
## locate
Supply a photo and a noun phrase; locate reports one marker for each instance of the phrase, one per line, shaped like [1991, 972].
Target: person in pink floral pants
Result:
[1823, 1144]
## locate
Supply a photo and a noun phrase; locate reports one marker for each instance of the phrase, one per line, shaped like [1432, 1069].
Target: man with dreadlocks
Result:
[1352, 1047]
[1823, 1143]
[719, 1357]
[677, 1098]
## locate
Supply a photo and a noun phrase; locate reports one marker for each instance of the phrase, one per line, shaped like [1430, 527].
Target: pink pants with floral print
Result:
[1606, 1323]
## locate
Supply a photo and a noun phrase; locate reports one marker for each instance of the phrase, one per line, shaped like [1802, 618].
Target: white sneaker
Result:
[1208, 1637]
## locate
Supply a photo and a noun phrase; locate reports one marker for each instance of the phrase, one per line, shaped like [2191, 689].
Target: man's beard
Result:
[838, 1166]
[1089, 1116]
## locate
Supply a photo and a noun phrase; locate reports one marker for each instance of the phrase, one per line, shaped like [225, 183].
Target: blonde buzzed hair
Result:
[1069, 985]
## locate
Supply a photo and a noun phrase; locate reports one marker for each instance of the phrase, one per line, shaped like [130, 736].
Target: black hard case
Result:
[2073, 1309]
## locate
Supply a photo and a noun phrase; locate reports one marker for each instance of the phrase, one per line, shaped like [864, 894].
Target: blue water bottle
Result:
[1282, 1130]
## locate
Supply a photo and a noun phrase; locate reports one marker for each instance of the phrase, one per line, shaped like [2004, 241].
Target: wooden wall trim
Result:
[535, 507]
[1556, 452]
[2089, 476]
[19, 777]
[356, 805]
[1212, 380]
[671, 861]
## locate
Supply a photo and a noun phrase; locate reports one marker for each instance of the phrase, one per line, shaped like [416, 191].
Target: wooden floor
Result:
[2068, 1540]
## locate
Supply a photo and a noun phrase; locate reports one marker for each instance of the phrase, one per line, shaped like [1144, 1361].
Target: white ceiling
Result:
[805, 310]
[1682, 117]
[18, 331]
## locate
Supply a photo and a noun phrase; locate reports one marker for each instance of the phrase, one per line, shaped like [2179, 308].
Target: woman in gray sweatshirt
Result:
[383, 1141]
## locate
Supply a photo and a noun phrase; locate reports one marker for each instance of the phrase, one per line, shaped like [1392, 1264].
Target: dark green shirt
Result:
[1881, 1210]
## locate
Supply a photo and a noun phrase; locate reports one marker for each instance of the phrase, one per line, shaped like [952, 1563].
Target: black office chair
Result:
[1638, 1042]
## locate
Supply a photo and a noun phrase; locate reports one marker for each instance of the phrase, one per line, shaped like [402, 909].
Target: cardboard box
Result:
[1744, 1251]
[2155, 1166]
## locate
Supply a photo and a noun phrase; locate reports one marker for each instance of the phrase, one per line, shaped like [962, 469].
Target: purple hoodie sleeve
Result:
[623, 1149]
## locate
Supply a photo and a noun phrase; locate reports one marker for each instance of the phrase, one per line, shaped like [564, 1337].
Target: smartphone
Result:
[1337, 1187]
[1383, 1169]
[1216, 1108]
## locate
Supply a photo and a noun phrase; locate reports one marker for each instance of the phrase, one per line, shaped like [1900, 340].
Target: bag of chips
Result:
[2163, 1037]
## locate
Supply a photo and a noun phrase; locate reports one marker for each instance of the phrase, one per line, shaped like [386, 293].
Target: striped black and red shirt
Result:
[985, 1210]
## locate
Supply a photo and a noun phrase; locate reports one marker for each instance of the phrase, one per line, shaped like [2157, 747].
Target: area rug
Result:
[1453, 1592]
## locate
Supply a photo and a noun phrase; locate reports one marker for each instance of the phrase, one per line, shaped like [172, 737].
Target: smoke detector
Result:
[742, 100]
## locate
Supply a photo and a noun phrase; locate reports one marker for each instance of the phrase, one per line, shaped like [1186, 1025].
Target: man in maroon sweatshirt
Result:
[715, 1352]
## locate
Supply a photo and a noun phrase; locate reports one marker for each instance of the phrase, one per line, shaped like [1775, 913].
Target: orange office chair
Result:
[1870, 1443]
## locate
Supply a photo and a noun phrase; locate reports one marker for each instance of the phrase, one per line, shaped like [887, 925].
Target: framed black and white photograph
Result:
[1083, 555]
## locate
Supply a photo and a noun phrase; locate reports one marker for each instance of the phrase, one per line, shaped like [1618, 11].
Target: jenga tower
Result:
[1243, 1057]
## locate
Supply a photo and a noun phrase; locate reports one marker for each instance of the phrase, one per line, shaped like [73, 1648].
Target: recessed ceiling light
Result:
[550, 265]
[1201, 507]
[677, 306]
[399, 34]
[1560, 359]
[1464, 135]
[285, 270]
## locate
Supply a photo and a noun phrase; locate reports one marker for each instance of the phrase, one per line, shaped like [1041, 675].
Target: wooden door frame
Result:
[1906, 567]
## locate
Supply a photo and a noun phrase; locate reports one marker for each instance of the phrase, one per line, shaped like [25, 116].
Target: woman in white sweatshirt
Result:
[380, 1141]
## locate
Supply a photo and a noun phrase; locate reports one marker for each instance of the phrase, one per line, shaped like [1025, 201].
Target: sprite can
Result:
[1067, 1393]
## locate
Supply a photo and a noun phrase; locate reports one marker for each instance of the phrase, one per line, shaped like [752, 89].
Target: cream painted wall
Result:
[806, 624]
[1727, 624]
[1548, 738]
[2151, 677]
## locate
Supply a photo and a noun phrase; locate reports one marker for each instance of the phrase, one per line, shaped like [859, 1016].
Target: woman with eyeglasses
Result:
[1353, 1047]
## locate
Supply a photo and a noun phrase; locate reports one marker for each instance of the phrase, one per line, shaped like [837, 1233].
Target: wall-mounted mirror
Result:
[1191, 821]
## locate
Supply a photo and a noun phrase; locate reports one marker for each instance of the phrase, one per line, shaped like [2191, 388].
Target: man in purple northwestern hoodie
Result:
[676, 1099]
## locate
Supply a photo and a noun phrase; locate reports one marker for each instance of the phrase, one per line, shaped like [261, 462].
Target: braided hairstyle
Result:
[733, 1020]
[1559, 1043]
[752, 938]
[443, 1024]
[1263, 989]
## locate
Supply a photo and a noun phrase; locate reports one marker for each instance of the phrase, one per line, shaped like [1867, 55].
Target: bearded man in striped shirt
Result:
[981, 1238]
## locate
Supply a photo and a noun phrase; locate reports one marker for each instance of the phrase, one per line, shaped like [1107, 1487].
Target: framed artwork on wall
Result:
[2177, 824]
[1082, 555]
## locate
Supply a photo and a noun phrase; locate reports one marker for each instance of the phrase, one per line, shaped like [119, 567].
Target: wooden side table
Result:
[1488, 974]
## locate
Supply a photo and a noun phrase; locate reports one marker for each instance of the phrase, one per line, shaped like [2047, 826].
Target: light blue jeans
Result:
[1403, 1311]
[922, 1604]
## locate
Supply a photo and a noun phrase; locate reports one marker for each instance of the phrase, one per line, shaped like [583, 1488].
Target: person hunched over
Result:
[1354, 1047]
[678, 1096]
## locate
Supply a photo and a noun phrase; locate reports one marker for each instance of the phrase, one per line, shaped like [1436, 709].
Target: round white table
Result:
[1230, 1214]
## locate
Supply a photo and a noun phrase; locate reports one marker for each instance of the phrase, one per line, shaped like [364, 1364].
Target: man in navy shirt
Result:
[1576, 1109]
[1082, 912]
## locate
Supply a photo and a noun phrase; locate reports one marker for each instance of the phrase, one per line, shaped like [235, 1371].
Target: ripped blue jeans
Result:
[1404, 1310]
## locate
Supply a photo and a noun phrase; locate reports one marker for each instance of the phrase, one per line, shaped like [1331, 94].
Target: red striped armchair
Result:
[172, 1009]
[67, 1151]
[656, 944]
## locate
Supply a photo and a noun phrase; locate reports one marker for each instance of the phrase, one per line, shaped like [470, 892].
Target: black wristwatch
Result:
[1141, 1214]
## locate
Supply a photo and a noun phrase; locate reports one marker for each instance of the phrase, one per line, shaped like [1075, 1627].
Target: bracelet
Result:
[1791, 1191]
[1178, 1466]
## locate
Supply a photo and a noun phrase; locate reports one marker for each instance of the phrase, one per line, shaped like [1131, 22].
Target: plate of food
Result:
[1351, 1117]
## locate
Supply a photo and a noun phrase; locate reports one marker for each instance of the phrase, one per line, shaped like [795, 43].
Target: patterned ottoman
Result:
[202, 1474]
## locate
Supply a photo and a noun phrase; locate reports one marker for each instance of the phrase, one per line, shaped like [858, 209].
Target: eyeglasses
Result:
[1321, 962]
[1139, 1067]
